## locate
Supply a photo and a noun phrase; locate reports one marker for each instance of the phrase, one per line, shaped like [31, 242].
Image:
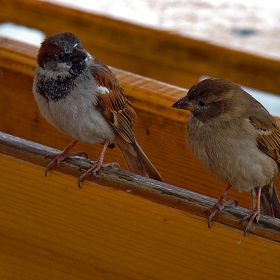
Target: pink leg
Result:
[58, 158]
[255, 215]
[94, 168]
[220, 205]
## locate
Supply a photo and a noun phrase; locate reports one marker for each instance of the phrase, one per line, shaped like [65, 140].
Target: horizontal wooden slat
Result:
[132, 183]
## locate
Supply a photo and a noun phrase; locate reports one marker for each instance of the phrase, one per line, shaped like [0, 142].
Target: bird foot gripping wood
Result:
[95, 168]
[58, 158]
[219, 206]
[255, 215]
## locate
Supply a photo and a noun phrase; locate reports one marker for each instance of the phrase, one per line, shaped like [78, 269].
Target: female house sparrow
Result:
[81, 97]
[237, 140]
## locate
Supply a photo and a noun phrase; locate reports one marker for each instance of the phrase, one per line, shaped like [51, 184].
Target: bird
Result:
[237, 140]
[81, 97]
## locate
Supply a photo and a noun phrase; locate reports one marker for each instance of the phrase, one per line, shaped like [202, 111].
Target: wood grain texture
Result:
[51, 229]
[147, 188]
[157, 54]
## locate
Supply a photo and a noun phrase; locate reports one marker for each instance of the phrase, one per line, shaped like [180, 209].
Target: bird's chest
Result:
[75, 114]
[231, 155]
[82, 121]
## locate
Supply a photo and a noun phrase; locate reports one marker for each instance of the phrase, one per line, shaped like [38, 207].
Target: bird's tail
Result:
[270, 204]
[137, 161]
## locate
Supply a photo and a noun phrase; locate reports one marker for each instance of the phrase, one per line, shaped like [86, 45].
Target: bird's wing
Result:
[113, 103]
[268, 133]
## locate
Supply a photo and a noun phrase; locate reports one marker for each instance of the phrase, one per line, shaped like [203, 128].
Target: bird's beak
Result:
[78, 55]
[183, 104]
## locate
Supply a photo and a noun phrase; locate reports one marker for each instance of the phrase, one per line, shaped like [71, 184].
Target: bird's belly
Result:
[83, 123]
[236, 162]
[91, 128]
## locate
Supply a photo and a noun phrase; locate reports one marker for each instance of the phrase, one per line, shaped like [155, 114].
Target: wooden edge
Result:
[147, 188]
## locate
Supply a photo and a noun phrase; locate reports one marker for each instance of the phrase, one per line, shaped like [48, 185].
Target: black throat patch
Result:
[55, 89]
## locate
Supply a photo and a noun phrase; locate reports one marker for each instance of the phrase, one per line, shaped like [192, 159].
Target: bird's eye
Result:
[61, 56]
[201, 103]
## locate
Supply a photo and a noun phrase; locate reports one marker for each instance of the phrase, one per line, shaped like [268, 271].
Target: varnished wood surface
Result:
[160, 55]
[150, 189]
[111, 228]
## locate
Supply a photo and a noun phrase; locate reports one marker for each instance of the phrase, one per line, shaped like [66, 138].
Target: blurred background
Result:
[250, 25]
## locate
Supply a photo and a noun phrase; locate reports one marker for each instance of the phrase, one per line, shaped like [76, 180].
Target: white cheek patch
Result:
[102, 90]
[62, 66]
[51, 74]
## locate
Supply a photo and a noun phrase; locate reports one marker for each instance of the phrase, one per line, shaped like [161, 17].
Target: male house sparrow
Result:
[81, 97]
[237, 140]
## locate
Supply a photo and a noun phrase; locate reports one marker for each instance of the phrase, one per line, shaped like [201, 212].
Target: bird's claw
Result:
[252, 217]
[112, 165]
[47, 170]
[94, 169]
[218, 207]
[58, 158]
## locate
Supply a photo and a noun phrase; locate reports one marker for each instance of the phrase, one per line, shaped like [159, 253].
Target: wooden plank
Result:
[137, 185]
[51, 229]
[157, 54]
